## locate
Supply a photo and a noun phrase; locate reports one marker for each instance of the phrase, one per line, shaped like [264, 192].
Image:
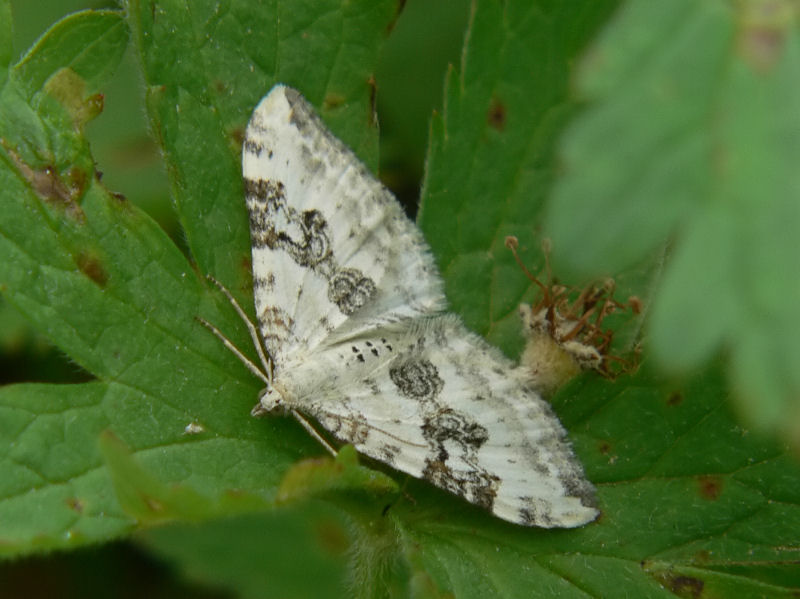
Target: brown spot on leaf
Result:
[47, 184]
[687, 587]
[496, 117]
[373, 101]
[95, 104]
[75, 504]
[90, 265]
[69, 89]
[237, 134]
[332, 537]
[604, 447]
[333, 101]
[401, 4]
[675, 399]
[246, 264]
[761, 47]
[76, 180]
[710, 487]
[763, 29]
[154, 505]
[684, 586]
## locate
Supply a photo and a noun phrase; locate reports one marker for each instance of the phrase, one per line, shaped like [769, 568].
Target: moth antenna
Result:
[257, 341]
[235, 350]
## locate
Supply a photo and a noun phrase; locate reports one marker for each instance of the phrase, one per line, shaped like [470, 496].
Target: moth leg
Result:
[259, 410]
[234, 350]
[262, 355]
[265, 376]
[313, 432]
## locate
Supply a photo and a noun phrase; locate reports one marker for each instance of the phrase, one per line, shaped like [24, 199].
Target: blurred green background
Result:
[426, 38]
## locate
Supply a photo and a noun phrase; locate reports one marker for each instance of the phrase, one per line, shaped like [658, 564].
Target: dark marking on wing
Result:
[349, 289]
[417, 379]
[253, 146]
[306, 237]
[266, 282]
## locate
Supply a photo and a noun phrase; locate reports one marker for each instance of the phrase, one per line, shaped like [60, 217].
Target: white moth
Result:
[349, 306]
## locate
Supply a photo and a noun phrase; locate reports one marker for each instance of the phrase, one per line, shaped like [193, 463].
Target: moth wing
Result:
[333, 252]
[450, 409]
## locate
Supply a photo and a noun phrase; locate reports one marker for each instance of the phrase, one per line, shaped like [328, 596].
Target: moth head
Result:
[270, 401]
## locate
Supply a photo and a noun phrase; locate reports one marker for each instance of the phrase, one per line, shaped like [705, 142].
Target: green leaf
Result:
[49, 96]
[490, 160]
[206, 66]
[322, 475]
[91, 43]
[6, 37]
[692, 134]
[149, 501]
[248, 554]
[53, 491]
[424, 41]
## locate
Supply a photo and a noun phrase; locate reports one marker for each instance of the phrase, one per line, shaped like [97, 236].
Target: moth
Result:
[352, 333]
